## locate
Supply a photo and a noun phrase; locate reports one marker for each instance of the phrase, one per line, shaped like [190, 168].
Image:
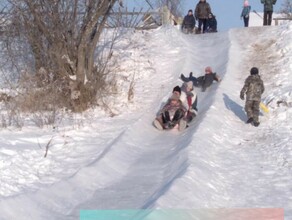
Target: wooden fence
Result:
[281, 19]
[143, 19]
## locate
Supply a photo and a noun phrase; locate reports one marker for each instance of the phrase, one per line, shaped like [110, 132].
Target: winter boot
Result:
[193, 111]
[250, 120]
[169, 125]
[183, 78]
[256, 123]
[177, 116]
[158, 125]
[166, 117]
[182, 125]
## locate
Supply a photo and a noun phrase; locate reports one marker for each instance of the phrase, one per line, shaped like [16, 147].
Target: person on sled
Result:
[202, 81]
[171, 114]
[189, 99]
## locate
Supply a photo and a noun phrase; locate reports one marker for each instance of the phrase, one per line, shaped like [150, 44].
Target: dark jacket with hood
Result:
[212, 24]
[202, 10]
[268, 4]
[189, 21]
[208, 80]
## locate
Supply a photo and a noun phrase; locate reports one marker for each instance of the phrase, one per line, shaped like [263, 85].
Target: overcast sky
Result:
[227, 11]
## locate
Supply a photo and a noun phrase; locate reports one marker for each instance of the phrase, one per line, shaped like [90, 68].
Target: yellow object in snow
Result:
[264, 107]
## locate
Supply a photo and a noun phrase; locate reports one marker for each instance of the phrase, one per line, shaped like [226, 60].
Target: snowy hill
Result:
[125, 163]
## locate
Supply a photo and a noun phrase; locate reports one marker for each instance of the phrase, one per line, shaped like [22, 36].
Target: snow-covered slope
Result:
[125, 163]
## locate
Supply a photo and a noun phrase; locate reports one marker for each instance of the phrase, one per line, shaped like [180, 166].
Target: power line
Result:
[149, 3]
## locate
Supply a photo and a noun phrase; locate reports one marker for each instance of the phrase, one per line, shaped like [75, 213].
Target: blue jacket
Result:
[245, 11]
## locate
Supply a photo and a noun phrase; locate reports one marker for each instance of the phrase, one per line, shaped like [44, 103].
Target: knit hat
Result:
[208, 69]
[174, 97]
[177, 89]
[245, 4]
[254, 71]
[190, 11]
[187, 86]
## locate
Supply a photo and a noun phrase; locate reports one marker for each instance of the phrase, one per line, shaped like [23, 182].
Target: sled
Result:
[264, 108]
[182, 125]
[190, 117]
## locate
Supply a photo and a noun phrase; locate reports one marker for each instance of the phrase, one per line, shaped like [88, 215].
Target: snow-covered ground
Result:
[97, 162]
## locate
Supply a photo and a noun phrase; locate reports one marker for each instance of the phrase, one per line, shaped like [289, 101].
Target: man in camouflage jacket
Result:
[268, 10]
[253, 88]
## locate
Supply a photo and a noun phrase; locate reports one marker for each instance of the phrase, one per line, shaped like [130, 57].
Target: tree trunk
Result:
[63, 36]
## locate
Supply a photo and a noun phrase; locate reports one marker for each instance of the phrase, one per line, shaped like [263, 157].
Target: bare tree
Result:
[175, 6]
[63, 36]
[287, 8]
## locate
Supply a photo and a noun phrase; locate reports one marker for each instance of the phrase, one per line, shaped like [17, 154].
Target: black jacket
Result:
[189, 21]
[212, 24]
[208, 80]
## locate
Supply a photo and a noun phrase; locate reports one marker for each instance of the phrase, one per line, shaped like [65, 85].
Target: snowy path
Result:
[163, 158]
[231, 165]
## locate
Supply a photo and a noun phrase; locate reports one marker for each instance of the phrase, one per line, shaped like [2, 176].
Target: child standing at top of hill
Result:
[189, 23]
[245, 13]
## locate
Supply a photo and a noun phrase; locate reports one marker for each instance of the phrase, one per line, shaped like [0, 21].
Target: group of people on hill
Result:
[181, 107]
[207, 22]
[268, 12]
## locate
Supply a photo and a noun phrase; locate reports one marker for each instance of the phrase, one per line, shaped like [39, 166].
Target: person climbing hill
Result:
[253, 88]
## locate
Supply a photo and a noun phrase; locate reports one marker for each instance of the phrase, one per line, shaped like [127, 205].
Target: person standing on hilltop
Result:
[202, 12]
[245, 13]
[189, 23]
[268, 11]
